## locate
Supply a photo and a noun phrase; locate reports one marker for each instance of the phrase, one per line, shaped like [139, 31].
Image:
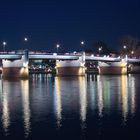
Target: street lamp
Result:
[4, 44]
[25, 39]
[82, 43]
[132, 53]
[125, 49]
[57, 47]
[100, 49]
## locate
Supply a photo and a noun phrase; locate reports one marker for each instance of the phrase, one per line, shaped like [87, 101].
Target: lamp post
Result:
[125, 49]
[57, 47]
[132, 53]
[100, 49]
[4, 44]
[25, 39]
[82, 45]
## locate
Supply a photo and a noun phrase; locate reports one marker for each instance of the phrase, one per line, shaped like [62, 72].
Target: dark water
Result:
[90, 107]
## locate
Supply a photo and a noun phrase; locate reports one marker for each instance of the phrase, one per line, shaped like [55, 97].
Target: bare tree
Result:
[101, 47]
[129, 45]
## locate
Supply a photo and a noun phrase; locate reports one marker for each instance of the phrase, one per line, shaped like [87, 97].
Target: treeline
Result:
[127, 45]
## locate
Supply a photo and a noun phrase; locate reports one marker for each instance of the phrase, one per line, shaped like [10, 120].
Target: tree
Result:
[89, 51]
[137, 51]
[129, 45]
[101, 47]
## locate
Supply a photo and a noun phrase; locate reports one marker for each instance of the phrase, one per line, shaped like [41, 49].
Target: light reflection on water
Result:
[110, 89]
[44, 97]
[124, 97]
[57, 100]
[5, 108]
[83, 100]
[26, 106]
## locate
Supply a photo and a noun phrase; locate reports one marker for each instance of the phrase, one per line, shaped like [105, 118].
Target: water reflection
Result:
[89, 100]
[105, 93]
[5, 107]
[71, 93]
[127, 96]
[26, 106]
[83, 100]
[111, 88]
[132, 89]
[124, 97]
[100, 89]
[15, 93]
[58, 104]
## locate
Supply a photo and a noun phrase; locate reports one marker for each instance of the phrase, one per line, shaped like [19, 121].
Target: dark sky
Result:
[46, 22]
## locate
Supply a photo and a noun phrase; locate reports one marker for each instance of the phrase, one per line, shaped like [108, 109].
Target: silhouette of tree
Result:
[129, 45]
[89, 51]
[137, 51]
[102, 48]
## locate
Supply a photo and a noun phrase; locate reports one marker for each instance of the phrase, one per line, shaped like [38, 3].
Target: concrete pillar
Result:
[71, 67]
[112, 67]
[16, 68]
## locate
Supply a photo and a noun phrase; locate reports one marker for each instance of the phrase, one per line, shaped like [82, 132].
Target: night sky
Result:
[48, 22]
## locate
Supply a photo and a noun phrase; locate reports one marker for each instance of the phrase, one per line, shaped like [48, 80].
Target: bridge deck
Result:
[65, 57]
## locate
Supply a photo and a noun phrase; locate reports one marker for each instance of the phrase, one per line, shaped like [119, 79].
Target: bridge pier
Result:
[71, 67]
[134, 68]
[16, 68]
[112, 67]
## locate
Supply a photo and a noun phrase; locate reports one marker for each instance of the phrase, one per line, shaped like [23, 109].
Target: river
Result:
[81, 108]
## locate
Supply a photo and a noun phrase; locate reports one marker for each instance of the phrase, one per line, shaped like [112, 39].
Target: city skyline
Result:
[67, 23]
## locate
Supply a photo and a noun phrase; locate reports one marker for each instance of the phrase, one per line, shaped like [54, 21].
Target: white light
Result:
[25, 39]
[25, 64]
[54, 54]
[132, 52]
[82, 42]
[100, 48]
[124, 47]
[4, 43]
[57, 45]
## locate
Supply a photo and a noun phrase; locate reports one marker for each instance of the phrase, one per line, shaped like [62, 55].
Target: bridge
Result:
[14, 62]
[55, 56]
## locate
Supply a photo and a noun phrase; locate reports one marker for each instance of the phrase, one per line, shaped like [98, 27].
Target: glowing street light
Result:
[124, 47]
[132, 52]
[25, 39]
[100, 49]
[4, 44]
[57, 47]
[82, 43]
